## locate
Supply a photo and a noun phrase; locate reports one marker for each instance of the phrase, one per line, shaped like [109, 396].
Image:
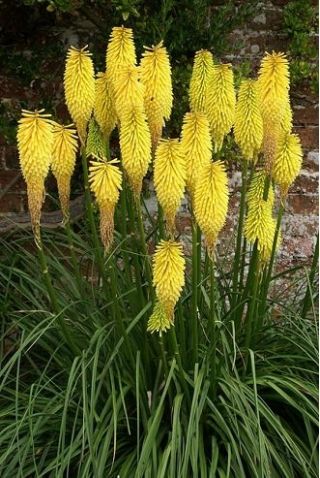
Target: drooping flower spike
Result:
[168, 275]
[248, 125]
[105, 182]
[211, 202]
[135, 145]
[156, 79]
[220, 103]
[104, 107]
[201, 72]
[35, 138]
[64, 151]
[120, 51]
[195, 145]
[288, 161]
[79, 87]
[169, 178]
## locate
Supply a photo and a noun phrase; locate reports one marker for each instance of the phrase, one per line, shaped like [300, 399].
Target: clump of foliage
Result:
[300, 23]
[116, 363]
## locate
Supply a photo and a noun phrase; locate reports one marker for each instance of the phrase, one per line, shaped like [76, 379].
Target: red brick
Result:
[309, 136]
[11, 158]
[305, 183]
[303, 204]
[7, 176]
[12, 202]
[306, 115]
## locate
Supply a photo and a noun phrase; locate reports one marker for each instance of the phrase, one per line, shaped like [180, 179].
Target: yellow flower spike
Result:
[35, 138]
[135, 145]
[288, 161]
[211, 201]
[156, 79]
[202, 70]
[256, 189]
[259, 223]
[105, 182]
[169, 178]
[64, 151]
[248, 124]
[79, 87]
[128, 90]
[104, 107]
[196, 145]
[159, 320]
[273, 87]
[220, 103]
[168, 274]
[120, 51]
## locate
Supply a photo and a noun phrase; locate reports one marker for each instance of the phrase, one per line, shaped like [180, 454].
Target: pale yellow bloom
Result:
[201, 72]
[64, 151]
[169, 178]
[35, 138]
[288, 161]
[220, 103]
[211, 201]
[104, 107]
[135, 144]
[195, 145]
[120, 51]
[168, 274]
[248, 125]
[79, 87]
[156, 79]
[105, 182]
[128, 90]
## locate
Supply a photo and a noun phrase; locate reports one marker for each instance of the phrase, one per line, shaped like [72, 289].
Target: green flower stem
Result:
[162, 232]
[182, 330]
[212, 325]
[266, 282]
[53, 299]
[144, 249]
[176, 349]
[194, 333]
[308, 297]
[199, 259]
[237, 257]
[74, 260]
[124, 234]
[253, 281]
[243, 264]
[117, 315]
[89, 211]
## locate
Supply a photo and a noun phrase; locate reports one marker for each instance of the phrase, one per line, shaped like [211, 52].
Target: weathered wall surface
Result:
[262, 33]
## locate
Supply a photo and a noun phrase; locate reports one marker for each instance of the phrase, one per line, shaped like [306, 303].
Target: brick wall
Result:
[262, 33]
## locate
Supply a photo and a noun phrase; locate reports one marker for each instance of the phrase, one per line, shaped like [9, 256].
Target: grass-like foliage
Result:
[136, 405]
